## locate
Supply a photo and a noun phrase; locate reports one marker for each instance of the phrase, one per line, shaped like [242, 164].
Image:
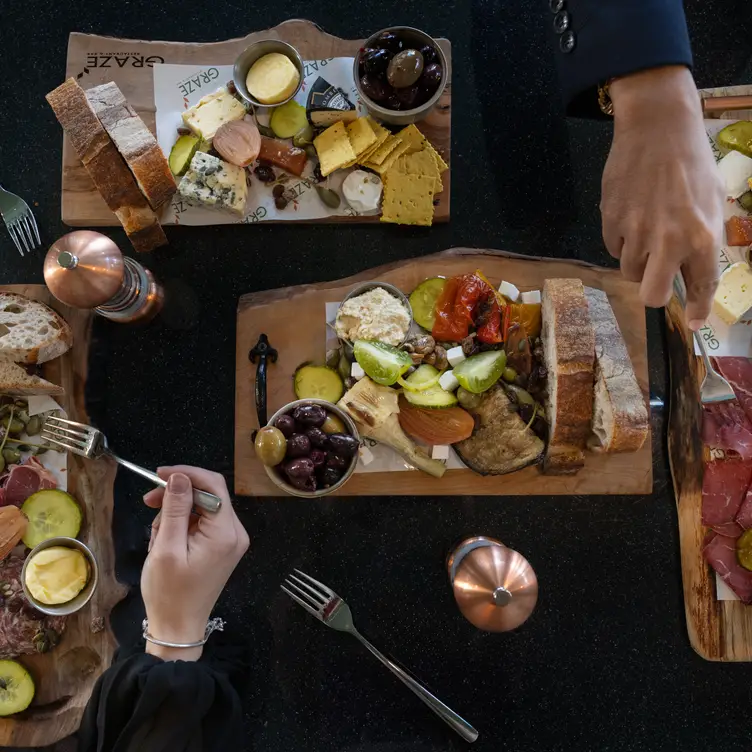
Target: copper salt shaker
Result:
[85, 269]
[495, 587]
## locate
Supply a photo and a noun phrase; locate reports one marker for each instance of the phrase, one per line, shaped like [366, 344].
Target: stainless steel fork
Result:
[91, 443]
[20, 221]
[323, 603]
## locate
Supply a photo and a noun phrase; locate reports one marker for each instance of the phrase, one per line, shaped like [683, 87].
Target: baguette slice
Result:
[620, 418]
[16, 382]
[30, 331]
[569, 354]
[105, 166]
[135, 142]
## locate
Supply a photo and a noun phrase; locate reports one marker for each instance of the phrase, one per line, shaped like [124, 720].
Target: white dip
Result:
[374, 315]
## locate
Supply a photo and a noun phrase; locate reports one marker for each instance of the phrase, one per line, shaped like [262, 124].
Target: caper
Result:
[21, 404]
[468, 400]
[509, 374]
[328, 196]
[303, 137]
[11, 455]
[34, 426]
[13, 426]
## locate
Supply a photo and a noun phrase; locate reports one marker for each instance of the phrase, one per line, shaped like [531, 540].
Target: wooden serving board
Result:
[94, 60]
[295, 322]
[65, 676]
[718, 630]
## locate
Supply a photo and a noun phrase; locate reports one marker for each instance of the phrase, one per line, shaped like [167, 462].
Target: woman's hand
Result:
[190, 559]
[662, 197]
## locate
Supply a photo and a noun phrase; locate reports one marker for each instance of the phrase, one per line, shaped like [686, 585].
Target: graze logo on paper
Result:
[118, 60]
[197, 82]
[314, 66]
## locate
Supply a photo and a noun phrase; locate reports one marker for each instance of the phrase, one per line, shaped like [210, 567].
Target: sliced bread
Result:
[569, 354]
[15, 381]
[30, 331]
[135, 142]
[620, 418]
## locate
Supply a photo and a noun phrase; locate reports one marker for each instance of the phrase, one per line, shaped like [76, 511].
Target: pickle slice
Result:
[744, 549]
[478, 373]
[16, 688]
[382, 362]
[737, 136]
[423, 301]
[51, 513]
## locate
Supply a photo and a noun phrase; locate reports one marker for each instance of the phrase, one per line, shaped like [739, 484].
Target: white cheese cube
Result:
[508, 290]
[736, 170]
[733, 298]
[448, 381]
[455, 356]
[211, 111]
[531, 297]
[357, 372]
[365, 454]
[213, 183]
[440, 452]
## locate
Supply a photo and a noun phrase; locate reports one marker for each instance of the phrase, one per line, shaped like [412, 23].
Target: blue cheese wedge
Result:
[212, 111]
[733, 298]
[213, 183]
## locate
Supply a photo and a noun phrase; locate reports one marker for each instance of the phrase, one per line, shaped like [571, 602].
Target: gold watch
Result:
[604, 97]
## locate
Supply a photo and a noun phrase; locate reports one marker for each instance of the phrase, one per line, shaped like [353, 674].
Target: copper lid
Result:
[84, 269]
[495, 587]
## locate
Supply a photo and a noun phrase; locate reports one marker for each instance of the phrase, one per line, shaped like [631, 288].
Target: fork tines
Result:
[68, 434]
[25, 231]
[312, 595]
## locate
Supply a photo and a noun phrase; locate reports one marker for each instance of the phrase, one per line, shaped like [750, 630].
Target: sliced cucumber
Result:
[381, 362]
[422, 378]
[434, 396]
[16, 688]
[51, 513]
[182, 153]
[478, 373]
[423, 301]
[318, 382]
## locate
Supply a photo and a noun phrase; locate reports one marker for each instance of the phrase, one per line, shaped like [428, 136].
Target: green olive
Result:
[509, 374]
[271, 446]
[11, 455]
[13, 426]
[333, 424]
[303, 137]
[34, 426]
[468, 400]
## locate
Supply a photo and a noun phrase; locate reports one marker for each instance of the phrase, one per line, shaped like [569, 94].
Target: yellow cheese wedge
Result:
[733, 298]
[272, 78]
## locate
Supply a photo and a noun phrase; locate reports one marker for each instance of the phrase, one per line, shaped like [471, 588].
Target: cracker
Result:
[408, 199]
[361, 135]
[439, 160]
[420, 163]
[390, 160]
[389, 145]
[414, 137]
[333, 148]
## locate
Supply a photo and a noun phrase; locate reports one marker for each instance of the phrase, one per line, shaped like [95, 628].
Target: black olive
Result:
[329, 476]
[310, 415]
[299, 468]
[429, 54]
[408, 96]
[430, 79]
[375, 61]
[392, 102]
[298, 445]
[278, 190]
[374, 88]
[318, 457]
[264, 173]
[388, 40]
[286, 424]
[337, 461]
[343, 444]
[281, 203]
[308, 483]
[317, 436]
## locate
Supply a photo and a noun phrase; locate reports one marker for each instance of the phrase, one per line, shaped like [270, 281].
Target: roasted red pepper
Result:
[446, 326]
[467, 301]
[489, 320]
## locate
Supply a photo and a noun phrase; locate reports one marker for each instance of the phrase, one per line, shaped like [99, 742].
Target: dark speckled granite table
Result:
[604, 664]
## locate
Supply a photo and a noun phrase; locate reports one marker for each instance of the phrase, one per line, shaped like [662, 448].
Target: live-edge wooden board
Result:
[294, 320]
[94, 60]
[66, 675]
[718, 630]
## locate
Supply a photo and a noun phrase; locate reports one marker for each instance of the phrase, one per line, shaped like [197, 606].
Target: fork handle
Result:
[203, 499]
[452, 719]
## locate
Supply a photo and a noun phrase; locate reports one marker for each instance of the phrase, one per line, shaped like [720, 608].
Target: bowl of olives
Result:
[309, 448]
[400, 74]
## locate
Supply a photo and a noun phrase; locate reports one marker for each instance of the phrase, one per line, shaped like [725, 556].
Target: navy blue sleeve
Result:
[596, 40]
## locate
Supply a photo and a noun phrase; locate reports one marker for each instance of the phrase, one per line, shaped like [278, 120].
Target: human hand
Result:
[662, 197]
[190, 559]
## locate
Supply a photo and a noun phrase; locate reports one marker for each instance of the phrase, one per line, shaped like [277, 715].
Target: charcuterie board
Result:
[279, 313]
[65, 676]
[93, 60]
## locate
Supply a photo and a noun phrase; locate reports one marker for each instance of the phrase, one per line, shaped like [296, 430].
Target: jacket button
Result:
[561, 22]
[555, 5]
[567, 41]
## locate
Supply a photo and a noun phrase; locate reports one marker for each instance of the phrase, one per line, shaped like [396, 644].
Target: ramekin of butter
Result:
[268, 73]
[59, 576]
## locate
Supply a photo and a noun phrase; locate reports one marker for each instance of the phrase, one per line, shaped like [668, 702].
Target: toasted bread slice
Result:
[15, 381]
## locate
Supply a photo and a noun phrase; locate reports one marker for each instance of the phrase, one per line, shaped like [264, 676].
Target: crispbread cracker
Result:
[388, 163]
[420, 163]
[389, 145]
[408, 199]
[439, 160]
[333, 148]
[413, 137]
[361, 135]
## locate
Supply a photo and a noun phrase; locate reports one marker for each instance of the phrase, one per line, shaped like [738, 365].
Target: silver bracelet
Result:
[212, 625]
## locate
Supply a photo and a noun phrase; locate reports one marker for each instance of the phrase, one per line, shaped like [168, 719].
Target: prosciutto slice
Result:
[738, 372]
[720, 553]
[724, 486]
[24, 480]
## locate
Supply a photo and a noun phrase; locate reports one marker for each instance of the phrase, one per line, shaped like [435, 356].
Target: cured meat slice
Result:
[720, 553]
[724, 486]
[26, 479]
[725, 425]
[738, 372]
[744, 515]
[23, 629]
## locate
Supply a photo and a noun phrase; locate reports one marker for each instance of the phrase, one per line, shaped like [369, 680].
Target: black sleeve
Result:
[596, 40]
[143, 703]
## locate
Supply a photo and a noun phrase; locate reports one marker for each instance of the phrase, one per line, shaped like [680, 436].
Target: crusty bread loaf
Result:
[30, 331]
[105, 166]
[15, 381]
[135, 142]
[620, 418]
[569, 353]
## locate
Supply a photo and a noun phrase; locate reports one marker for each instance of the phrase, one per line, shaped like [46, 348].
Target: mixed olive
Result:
[397, 74]
[15, 421]
[309, 447]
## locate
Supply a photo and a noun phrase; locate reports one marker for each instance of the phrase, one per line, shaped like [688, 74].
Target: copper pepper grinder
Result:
[85, 269]
[495, 587]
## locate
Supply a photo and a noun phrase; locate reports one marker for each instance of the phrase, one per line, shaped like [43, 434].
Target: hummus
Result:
[57, 575]
[374, 315]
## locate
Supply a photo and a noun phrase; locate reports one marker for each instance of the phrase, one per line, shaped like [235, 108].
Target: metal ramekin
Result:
[277, 478]
[251, 54]
[77, 603]
[402, 117]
